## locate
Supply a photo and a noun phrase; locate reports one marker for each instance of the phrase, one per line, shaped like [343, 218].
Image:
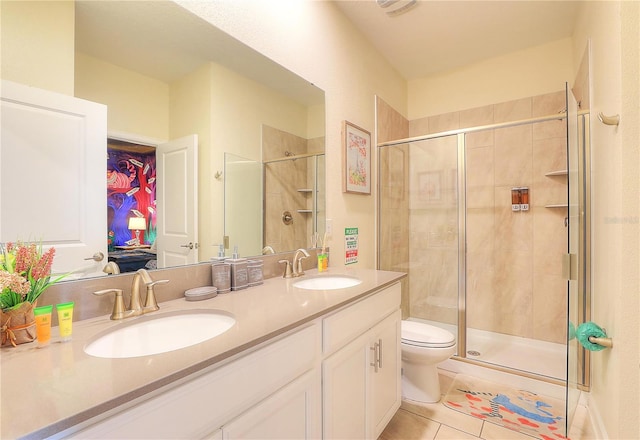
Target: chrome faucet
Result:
[297, 269]
[135, 304]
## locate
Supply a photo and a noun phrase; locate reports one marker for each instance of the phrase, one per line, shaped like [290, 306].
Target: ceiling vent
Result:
[396, 7]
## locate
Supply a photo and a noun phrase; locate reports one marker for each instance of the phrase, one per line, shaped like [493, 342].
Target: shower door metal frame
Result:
[462, 247]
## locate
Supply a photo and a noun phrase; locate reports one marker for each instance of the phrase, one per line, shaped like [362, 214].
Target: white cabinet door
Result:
[291, 413]
[386, 393]
[361, 383]
[53, 175]
[344, 378]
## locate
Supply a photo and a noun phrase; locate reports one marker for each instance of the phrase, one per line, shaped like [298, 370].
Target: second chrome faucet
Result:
[135, 304]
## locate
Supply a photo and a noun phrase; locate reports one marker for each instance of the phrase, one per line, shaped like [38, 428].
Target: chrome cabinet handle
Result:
[189, 245]
[380, 353]
[98, 256]
[374, 364]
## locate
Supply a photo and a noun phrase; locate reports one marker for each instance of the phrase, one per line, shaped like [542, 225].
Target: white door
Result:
[177, 202]
[53, 185]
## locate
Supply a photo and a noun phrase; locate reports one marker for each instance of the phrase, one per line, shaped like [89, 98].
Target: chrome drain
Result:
[473, 353]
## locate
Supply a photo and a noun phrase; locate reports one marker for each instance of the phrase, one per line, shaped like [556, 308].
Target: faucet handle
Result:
[150, 304]
[287, 269]
[118, 306]
[299, 271]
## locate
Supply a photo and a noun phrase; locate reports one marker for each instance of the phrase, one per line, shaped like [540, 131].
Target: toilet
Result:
[424, 346]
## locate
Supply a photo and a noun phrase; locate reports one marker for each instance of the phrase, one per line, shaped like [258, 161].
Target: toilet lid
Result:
[425, 335]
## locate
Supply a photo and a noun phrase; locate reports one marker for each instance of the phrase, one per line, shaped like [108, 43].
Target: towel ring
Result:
[609, 120]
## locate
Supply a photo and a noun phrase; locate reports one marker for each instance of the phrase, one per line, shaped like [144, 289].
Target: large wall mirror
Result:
[166, 75]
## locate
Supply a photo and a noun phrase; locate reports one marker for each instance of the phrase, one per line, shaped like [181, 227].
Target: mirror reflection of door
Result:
[52, 186]
[152, 204]
[177, 202]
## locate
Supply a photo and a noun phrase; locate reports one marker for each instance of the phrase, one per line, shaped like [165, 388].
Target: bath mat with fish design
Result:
[519, 410]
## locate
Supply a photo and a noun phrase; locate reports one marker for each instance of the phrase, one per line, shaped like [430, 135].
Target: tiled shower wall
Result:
[513, 277]
[394, 200]
[283, 184]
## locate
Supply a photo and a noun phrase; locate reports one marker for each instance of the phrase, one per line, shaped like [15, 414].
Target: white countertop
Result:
[44, 391]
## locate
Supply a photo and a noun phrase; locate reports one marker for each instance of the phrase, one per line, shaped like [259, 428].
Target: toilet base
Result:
[420, 383]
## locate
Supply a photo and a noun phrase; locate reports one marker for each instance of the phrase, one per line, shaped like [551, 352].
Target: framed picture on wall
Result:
[430, 186]
[357, 159]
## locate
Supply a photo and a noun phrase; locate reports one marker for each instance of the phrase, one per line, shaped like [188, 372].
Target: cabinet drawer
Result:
[204, 403]
[346, 324]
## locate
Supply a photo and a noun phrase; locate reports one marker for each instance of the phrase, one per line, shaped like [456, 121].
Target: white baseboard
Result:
[597, 424]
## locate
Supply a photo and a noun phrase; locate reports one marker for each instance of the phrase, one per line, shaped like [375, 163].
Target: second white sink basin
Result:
[327, 282]
[153, 334]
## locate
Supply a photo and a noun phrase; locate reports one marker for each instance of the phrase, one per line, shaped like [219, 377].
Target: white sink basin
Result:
[327, 282]
[161, 333]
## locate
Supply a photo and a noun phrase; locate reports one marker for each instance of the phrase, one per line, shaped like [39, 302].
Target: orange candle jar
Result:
[43, 324]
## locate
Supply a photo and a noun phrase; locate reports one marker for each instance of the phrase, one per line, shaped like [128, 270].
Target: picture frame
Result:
[430, 186]
[356, 169]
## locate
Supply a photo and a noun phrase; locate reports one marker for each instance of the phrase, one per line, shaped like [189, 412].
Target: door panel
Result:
[50, 138]
[177, 202]
[345, 380]
[386, 392]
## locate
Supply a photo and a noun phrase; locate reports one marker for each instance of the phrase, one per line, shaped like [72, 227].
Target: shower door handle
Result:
[570, 267]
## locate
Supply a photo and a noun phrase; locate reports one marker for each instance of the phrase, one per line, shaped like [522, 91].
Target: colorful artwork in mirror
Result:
[131, 192]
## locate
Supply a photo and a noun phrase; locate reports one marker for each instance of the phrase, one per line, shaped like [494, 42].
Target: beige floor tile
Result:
[491, 431]
[441, 414]
[448, 433]
[408, 426]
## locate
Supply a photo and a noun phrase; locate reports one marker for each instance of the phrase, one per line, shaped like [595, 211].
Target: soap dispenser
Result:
[239, 271]
[221, 256]
[221, 272]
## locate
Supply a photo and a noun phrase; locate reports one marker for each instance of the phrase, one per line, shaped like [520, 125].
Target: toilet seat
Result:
[424, 335]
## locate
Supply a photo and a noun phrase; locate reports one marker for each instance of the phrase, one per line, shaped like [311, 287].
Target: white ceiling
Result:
[439, 35]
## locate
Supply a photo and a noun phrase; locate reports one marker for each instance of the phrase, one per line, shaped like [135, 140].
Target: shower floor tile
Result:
[530, 355]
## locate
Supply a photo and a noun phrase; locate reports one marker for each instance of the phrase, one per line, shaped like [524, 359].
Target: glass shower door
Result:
[574, 258]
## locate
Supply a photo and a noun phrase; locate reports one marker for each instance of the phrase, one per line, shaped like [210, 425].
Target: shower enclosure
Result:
[279, 202]
[480, 218]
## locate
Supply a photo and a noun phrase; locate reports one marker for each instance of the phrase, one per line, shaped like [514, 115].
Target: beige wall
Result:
[530, 72]
[239, 109]
[613, 29]
[136, 104]
[39, 51]
[314, 40]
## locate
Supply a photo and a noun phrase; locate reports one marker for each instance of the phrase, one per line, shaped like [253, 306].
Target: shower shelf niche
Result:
[557, 173]
[305, 191]
[553, 174]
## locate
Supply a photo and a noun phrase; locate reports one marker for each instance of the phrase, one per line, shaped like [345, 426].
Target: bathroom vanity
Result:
[298, 363]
